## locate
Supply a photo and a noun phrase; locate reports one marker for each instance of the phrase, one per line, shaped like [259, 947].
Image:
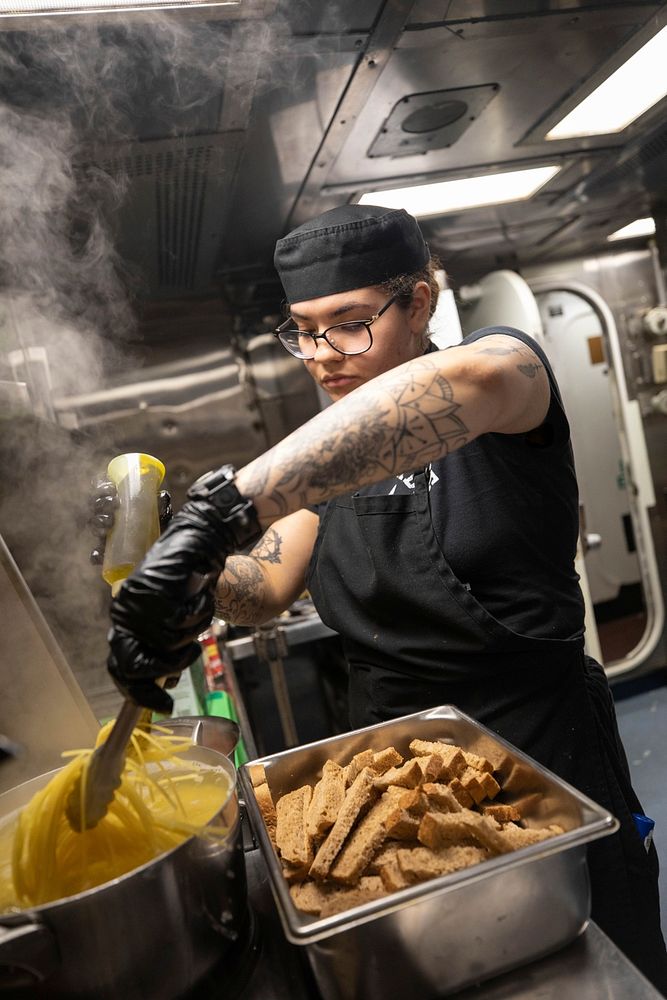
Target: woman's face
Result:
[397, 335]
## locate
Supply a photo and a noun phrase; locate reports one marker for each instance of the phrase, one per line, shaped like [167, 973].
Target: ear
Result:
[419, 307]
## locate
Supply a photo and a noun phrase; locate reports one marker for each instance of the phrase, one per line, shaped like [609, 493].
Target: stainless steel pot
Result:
[152, 934]
[210, 731]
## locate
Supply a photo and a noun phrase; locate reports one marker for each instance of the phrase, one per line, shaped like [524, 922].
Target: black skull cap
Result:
[353, 246]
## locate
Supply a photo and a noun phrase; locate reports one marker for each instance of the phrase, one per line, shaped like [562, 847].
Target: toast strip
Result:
[408, 775]
[257, 774]
[328, 797]
[292, 838]
[392, 877]
[502, 813]
[441, 829]
[463, 797]
[363, 842]
[267, 809]
[442, 797]
[359, 795]
[384, 759]
[325, 900]
[357, 764]
[420, 863]
[432, 766]
[454, 762]
[479, 763]
[403, 826]
[369, 888]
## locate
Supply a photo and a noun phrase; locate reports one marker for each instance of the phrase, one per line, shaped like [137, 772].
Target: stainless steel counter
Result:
[295, 632]
[591, 968]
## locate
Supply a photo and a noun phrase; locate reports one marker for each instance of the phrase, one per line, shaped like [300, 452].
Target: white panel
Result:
[503, 298]
[569, 323]
[445, 324]
[631, 440]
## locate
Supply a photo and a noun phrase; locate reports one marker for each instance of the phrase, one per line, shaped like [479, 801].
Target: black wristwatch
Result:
[237, 512]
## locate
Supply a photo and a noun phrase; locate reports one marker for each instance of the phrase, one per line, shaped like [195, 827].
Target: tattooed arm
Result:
[405, 418]
[256, 587]
[401, 420]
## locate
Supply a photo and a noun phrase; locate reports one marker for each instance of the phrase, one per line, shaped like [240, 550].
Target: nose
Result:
[324, 352]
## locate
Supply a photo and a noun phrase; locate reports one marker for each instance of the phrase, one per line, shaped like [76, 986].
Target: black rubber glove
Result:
[103, 504]
[169, 599]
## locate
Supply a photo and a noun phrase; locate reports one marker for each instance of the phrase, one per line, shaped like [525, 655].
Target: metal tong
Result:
[105, 767]
[86, 807]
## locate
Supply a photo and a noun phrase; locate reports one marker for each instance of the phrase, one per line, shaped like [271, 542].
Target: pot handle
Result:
[28, 954]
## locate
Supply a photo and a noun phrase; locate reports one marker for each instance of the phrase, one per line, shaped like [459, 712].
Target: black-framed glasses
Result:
[354, 337]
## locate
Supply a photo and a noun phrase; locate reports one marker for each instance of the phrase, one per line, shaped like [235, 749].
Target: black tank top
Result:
[504, 511]
[456, 586]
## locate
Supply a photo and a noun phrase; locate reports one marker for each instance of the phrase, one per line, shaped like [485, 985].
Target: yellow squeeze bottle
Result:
[136, 523]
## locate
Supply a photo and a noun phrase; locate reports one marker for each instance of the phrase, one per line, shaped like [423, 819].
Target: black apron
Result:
[373, 555]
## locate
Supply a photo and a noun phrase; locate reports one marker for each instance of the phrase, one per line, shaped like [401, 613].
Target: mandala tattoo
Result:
[374, 436]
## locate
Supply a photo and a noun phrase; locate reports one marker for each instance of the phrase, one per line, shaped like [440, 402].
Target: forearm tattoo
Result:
[240, 591]
[269, 547]
[403, 424]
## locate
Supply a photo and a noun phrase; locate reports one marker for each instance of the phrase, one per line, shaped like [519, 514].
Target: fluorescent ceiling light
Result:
[468, 192]
[640, 227]
[625, 95]
[32, 8]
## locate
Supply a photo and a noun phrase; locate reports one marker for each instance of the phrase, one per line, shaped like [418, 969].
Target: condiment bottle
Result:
[136, 522]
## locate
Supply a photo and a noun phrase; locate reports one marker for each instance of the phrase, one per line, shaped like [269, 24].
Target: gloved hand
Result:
[103, 504]
[169, 599]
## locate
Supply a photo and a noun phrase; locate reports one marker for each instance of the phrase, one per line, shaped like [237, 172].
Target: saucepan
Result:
[211, 731]
[152, 934]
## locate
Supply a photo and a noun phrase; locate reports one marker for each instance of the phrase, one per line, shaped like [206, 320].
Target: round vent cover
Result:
[434, 116]
[421, 123]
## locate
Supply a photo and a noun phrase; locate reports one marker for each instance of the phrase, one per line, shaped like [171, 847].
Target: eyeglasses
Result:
[346, 338]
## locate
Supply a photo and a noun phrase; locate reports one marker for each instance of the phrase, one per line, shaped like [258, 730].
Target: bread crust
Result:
[267, 809]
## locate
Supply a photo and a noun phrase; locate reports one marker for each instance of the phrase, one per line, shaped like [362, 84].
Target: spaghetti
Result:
[161, 801]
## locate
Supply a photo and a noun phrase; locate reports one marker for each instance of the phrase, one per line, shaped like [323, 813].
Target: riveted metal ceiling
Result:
[219, 134]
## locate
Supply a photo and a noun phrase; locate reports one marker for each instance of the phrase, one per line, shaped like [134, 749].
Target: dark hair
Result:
[403, 285]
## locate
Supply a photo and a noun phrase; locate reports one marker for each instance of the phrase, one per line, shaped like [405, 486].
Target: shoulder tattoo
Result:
[530, 365]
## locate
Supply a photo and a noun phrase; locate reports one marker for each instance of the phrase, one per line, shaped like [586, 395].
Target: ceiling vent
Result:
[645, 164]
[434, 120]
[177, 194]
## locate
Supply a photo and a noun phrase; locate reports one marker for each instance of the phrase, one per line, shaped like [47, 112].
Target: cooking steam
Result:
[67, 299]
